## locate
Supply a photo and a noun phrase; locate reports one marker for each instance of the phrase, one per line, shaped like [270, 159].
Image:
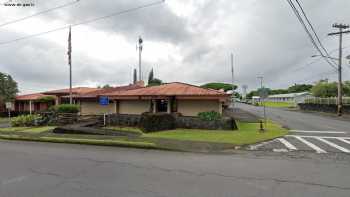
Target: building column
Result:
[116, 105]
[154, 106]
[169, 106]
[57, 101]
[220, 107]
[30, 107]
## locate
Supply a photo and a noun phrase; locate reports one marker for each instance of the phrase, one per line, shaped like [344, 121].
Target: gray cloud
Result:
[264, 36]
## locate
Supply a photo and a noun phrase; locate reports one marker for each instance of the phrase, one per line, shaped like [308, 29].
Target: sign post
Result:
[9, 107]
[264, 93]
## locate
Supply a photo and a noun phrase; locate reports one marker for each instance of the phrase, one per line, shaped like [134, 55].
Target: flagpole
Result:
[233, 81]
[70, 65]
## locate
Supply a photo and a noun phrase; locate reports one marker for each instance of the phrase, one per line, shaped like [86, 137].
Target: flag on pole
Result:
[69, 53]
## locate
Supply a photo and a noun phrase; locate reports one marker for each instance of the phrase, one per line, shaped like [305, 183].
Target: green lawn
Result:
[278, 104]
[248, 133]
[82, 140]
[126, 129]
[34, 130]
[4, 120]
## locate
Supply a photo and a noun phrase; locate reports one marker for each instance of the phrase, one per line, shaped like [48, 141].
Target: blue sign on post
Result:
[104, 100]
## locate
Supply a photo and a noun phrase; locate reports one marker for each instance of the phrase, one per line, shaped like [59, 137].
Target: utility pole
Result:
[233, 81]
[262, 98]
[139, 47]
[341, 27]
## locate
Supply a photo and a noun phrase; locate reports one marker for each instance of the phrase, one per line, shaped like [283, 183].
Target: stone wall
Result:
[129, 120]
[186, 122]
[197, 123]
[322, 108]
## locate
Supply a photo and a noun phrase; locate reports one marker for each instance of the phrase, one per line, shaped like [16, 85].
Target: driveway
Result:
[56, 170]
[299, 120]
[309, 131]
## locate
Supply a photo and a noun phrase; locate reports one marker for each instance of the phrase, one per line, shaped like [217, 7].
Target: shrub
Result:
[150, 122]
[209, 116]
[67, 108]
[47, 99]
[26, 121]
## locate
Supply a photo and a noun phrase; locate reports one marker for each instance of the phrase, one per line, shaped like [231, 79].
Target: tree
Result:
[300, 88]
[155, 82]
[325, 89]
[135, 76]
[150, 76]
[218, 86]
[8, 88]
[106, 86]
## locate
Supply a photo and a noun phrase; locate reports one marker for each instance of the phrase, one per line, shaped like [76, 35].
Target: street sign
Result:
[104, 100]
[9, 105]
[263, 93]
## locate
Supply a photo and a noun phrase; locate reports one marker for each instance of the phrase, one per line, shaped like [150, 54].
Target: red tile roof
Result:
[104, 91]
[27, 97]
[170, 89]
[77, 90]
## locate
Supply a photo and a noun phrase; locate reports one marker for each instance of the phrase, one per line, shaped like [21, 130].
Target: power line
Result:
[297, 14]
[300, 67]
[86, 21]
[313, 30]
[39, 13]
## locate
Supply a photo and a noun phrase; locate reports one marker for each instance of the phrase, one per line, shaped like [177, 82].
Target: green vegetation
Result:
[111, 142]
[25, 120]
[209, 116]
[292, 89]
[126, 129]
[325, 89]
[279, 104]
[153, 81]
[47, 99]
[32, 130]
[219, 86]
[248, 133]
[8, 88]
[67, 108]
[4, 120]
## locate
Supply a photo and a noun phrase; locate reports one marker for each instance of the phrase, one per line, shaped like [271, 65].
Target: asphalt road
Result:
[57, 170]
[299, 120]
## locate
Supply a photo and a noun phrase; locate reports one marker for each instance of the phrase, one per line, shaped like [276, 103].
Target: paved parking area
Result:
[314, 141]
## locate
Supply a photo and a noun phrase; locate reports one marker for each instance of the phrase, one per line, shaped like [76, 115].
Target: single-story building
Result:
[289, 98]
[182, 98]
[31, 103]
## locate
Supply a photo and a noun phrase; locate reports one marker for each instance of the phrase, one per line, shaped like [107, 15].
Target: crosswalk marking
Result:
[313, 136]
[311, 145]
[328, 132]
[334, 145]
[287, 144]
[343, 140]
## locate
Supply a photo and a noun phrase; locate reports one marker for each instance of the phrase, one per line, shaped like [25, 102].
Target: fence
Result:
[326, 101]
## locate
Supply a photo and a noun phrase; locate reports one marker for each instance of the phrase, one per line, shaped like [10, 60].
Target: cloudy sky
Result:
[184, 40]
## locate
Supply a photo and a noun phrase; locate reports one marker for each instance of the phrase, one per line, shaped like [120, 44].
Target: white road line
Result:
[311, 145]
[287, 144]
[343, 140]
[330, 132]
[334, 145]
[313, 136]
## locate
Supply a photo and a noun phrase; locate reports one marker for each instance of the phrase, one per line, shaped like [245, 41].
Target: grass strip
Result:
[121, 143]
